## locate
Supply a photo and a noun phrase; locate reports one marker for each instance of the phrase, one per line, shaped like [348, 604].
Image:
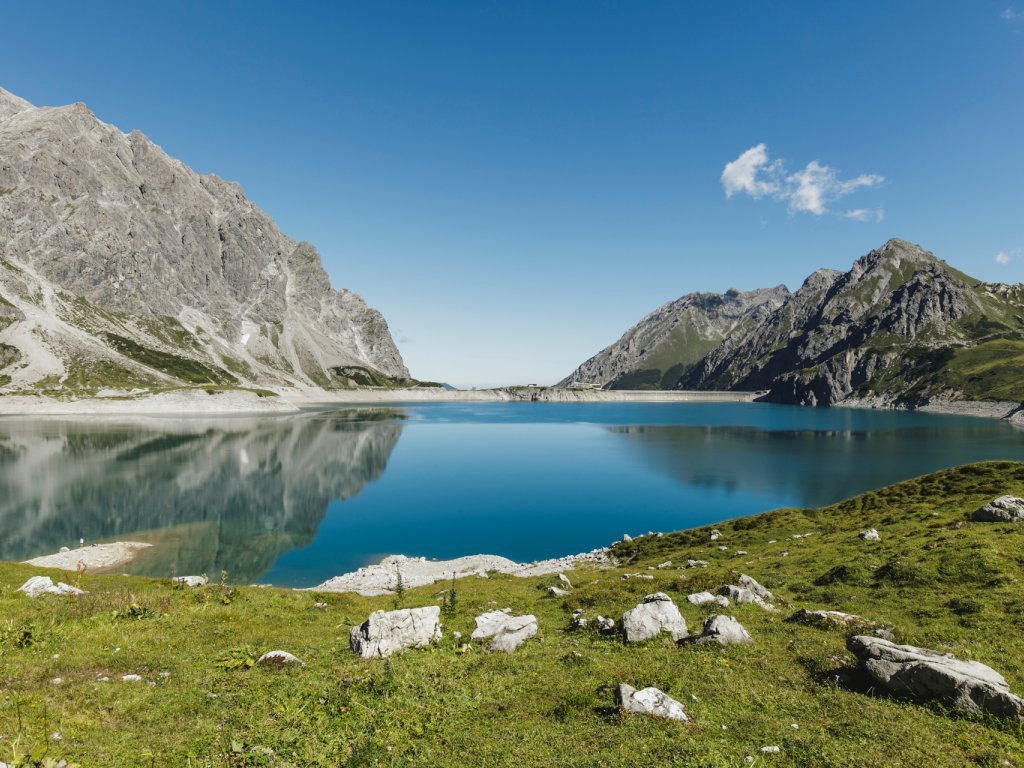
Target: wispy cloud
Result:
[1005, 257]
[1012, 14]
[809, 190]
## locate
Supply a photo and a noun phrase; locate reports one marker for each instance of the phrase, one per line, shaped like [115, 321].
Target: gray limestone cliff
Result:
[120, 266]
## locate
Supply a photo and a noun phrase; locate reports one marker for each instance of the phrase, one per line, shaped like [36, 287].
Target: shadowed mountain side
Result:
[808, 466]
[228, 494]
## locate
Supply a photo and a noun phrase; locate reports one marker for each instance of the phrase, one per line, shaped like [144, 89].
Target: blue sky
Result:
[514, 184]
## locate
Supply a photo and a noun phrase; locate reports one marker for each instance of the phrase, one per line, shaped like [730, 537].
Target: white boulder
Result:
[656, 614]
[650, 701]
[191, 581]
[507, 632]
[1004, 509]
[43, 585]
[870, 535]
[278, 659]
[387, 632]
[724, 630]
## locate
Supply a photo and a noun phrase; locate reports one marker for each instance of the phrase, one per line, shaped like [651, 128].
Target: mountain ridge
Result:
[122, 267]
[900, 326]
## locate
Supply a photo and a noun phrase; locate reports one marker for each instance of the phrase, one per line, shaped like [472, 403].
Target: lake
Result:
[293, 500]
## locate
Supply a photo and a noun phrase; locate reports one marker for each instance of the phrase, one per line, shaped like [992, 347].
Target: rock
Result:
[650, 701]
[724, 630]
[508, 632]
[564, 580]
[43, 585]
[697, 563]
[830, 619]
[131, 678]
[1004, 509]
[556, 592]
[636, 576]
[771, 750]
[656, 614]
[605, 625]
[715, 534]
[62, 550]
[579, 619]
[320, 606]
[925, 674]
[870, 535]
[387, 632]
[703, 598]
[749, 582]
[278, 659]
[626, 537]
[666, 564]
[191, 581]
[742, 595]
[723, 548]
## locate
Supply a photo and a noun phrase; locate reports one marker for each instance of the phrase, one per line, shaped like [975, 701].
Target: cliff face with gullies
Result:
[901, 326]
[121, 267]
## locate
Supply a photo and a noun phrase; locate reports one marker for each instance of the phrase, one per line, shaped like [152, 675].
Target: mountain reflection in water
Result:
[232, 493]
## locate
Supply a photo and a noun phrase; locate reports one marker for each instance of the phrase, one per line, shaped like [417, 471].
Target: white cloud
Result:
[809, 190]
[1012, 14]
[1004, 257]
[741, 174]
[864, 214]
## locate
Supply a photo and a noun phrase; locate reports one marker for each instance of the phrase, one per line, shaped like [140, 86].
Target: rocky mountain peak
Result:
[90, 214]
[11, 105]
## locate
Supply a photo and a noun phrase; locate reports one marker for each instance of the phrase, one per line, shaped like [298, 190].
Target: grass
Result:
[937, 578]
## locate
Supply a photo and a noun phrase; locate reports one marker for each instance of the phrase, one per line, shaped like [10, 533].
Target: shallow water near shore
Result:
[295, 499]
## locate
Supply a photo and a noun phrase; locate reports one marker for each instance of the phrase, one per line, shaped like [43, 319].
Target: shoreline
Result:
[92, 557]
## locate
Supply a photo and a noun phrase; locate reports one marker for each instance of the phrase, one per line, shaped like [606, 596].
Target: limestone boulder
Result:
[650, 701]
[388, 632]
[923, 674]
[505, 631]
[1004, 509]
[43, 585]
[724, 630]
[656, 614]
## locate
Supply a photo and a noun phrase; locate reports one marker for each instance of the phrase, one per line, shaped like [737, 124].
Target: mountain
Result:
[122, 267]
[900, 327]
[660, 349]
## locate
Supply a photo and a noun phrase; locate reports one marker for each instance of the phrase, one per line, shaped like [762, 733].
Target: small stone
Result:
[278, 659]
[870, 535]
[320, 606]
[57, 681]
[626, 537]
[565, 581]
[715, 534]
[771, 750]
[666, 564]
[579, 619]
[697, 563]
[131, 678]
[605, 625]
[556, 592]
[636, 576]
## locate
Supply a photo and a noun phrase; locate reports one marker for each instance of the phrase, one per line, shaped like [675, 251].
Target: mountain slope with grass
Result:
[660, 349]
[936, 577]
[121, 267]
[900, 327]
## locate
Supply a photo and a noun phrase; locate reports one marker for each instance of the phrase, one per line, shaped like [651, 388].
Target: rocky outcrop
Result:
[656, 352]
[123, 267]
[919, 673]
[1004, 509]
[388, 632]
[506, 632]
[830, 619]
[656, 614]
[705, 598]
[650, 701]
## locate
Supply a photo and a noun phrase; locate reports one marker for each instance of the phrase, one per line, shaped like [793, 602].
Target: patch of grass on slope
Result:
[939, 579]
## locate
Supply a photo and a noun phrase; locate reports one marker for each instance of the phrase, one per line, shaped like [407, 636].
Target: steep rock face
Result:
[900, 327]
[839, 332]
[103, 234]
[660, 349]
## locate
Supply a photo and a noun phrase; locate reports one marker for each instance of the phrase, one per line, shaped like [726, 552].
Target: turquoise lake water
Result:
[293, 500]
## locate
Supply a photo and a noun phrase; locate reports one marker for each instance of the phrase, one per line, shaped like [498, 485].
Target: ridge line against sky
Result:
[515, 184]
